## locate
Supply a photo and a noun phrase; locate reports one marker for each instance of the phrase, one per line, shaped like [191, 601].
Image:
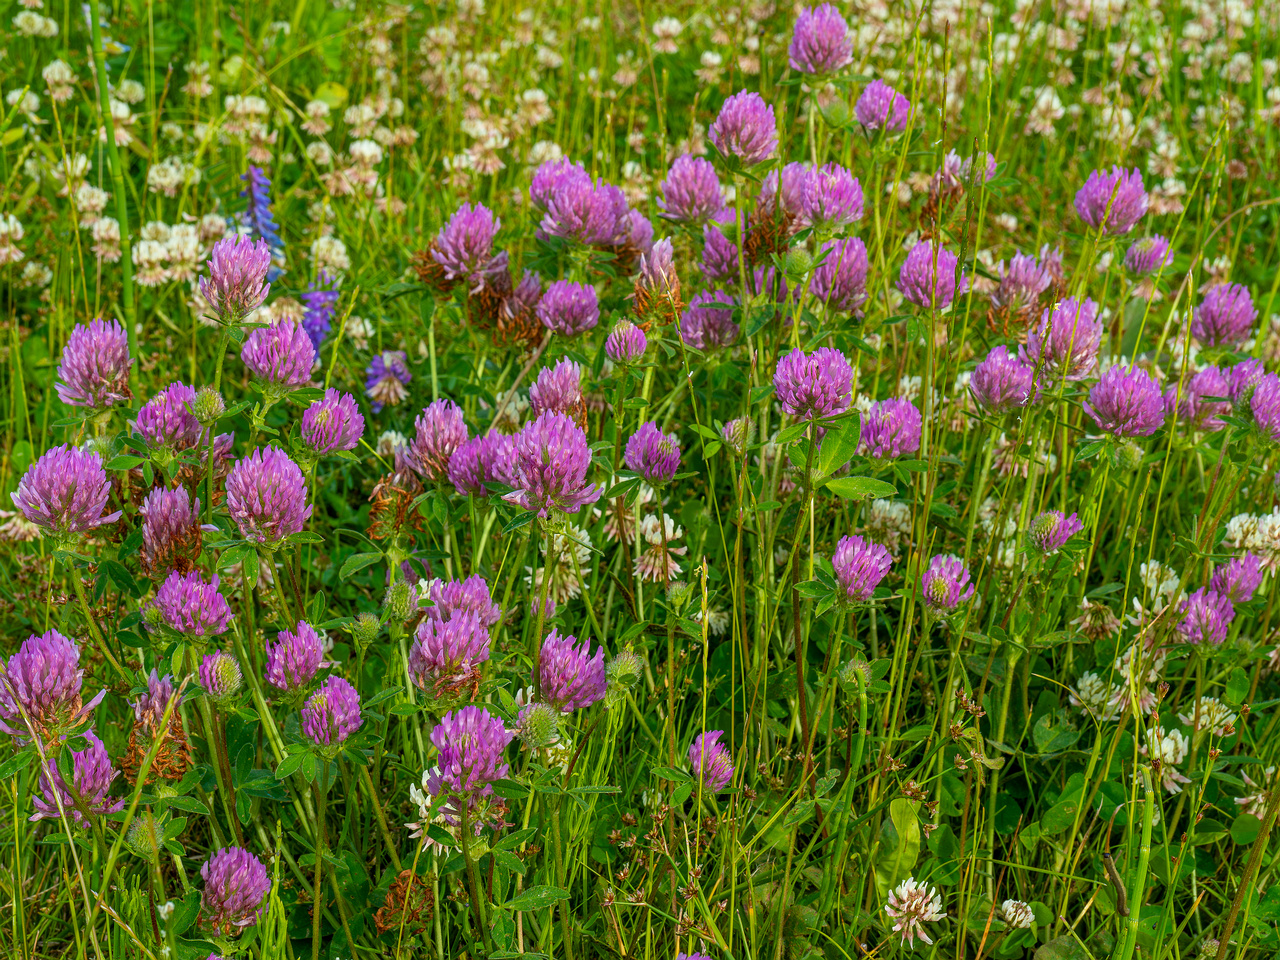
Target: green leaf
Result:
[1237, 687]
[189, 805]
[509, 860]
[671, 773]
[520, 520]
[839, 446]
[186, 913]
[120, 576]
[289, 765]
[861, 488]
[535, 898]
[237, 554]
[357, 562]
[510, 790]
[1245, 829]
[124, 461]
[899, 846]
[17, 762]
[793, 432]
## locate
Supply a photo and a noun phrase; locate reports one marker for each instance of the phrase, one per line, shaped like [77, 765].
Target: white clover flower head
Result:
[1017, 914]
[911, 905]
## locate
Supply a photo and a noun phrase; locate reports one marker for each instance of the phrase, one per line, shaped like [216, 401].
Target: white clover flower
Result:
[389, 440]
[1170, 747]
[330, 255]
[320, 153]
[365, 153]
[31, 24]
[1017, 914]
[130, 91]
[11, 232]
[911, 905]
[1094, 695]
[1209, 714]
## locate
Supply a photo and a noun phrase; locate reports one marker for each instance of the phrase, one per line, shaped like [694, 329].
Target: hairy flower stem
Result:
[381, 817]
[473, 883]
[1137, 890]
[1012, 656]
[321, 788]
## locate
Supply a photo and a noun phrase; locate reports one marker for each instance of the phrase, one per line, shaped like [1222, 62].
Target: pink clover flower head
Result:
[820, 43]
[331, 714]
[1113, 201]
[94, 369]
[711, 761]
[42, 685]
[814, 386]
[267, 497]
[237, 282]
[745, 128]
[438, 431]
[860, 565]
[236, 885]
[65, 492]
[945, 585]
[570, 678]
[552, 458]
[92, 774]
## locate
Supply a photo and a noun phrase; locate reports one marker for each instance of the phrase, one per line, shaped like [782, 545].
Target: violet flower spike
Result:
[945, 585]
[295, 658]
[332, 423]
[880, 107]
[236, 885]
[267, 497]
[711, 761]
[745, 128]
[439, 431]
[570, 678]
[92, 774]
[190, 606]
[653, 454]
[386, 379]
[814, 386]
[820, 42]
[280, 356]
[859, 565]
[237, 282]
[928, 276]
[568, 308]
[331, 714]
[94, 369]
[552, 458]
[1126, 403]
[65, 492]
[41, 690]
[1113, 201]
[691, 193]
[1002, 382]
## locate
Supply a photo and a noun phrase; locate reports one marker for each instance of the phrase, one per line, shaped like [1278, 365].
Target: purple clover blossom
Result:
[42, 685]
[1050, 531]
[738, 434]
[551, 177]
[577, 210]
[860, 565]
[832, 198]
[719, 253]
[653, 454]
[1207, 617]
[220, 675]
[332, 423]
[464, 245]
[331, 714]
[945, 585]
[890, 429]
[237, 282]
[1225, 316]
[149, 709]
[552, 458]
[1239, 578]
[710, 761]
[446, 654]
[471, 742]
[781, 197]
[1112, 201]
[820, 43]
[65, 492]
[321, 302]
[267, 497]
[1021, 283]
[1067, 341]
[1264, 404]
[192, 607]
[745, 128]
[707, 323]
[691, 193]
[479, 461]
[558, 389]
[1243, 379]
[840, 278]
[880, 107]
[458, 597]
[636, 233]
[1193, 407]
[91, 778]
[814, 386]
[438, 432]
[258, 216]
[657, 289]
[166, 421]
[1126, 402]
[171, 532]
[236, 885]
[568, 308]
[570, 679]
[94, 369]
[627, 343]
[280, 355]
[1002, 382]
[295, 658]
[1147, 255]
[928, 276]
[386, 378]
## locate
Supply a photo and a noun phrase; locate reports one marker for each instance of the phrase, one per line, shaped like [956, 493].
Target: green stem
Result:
[319, 879]
[473, 884]
[117, 185]
[1138, 890]
[93, 626]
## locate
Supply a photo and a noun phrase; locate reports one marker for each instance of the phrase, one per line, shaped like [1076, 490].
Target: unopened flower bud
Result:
[799, 261]
[400, 602]
[144, 836]
[738, 434]
[365, 629]
[220, 676]
[208, 406]
[623, 671]
[1127, 457]
[539, 726]
[849, 673]
[679, 594]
